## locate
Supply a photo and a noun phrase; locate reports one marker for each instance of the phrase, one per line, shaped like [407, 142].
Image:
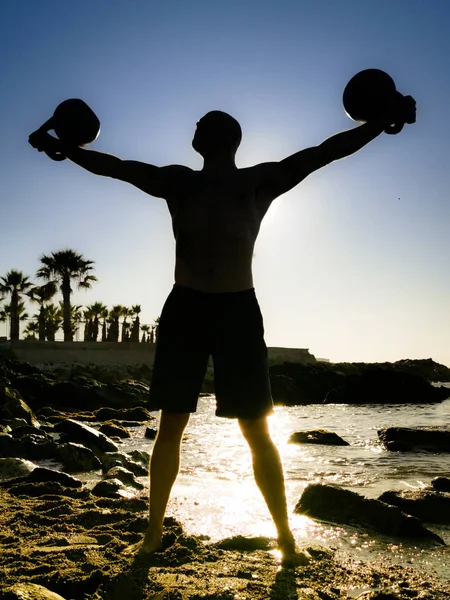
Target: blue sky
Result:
[352, 264]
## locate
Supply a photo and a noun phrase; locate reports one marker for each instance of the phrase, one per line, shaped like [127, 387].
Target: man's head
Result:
[217, 133]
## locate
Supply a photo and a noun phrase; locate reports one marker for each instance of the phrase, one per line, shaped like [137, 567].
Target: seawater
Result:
[215, 494]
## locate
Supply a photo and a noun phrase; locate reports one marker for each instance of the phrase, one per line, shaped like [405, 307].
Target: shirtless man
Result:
[212, 309]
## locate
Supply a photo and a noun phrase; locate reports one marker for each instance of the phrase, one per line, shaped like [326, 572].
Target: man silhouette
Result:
[212, 309]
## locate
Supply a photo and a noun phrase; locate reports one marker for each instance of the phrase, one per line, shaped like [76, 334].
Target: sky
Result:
[352, 264]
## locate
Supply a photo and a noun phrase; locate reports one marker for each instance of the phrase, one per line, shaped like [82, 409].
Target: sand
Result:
[72, 543]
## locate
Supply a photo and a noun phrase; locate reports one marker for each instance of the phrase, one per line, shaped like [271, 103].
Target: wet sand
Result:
[72, 543]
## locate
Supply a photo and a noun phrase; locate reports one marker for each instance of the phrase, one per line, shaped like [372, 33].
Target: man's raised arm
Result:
[153, 180]
[279, 178]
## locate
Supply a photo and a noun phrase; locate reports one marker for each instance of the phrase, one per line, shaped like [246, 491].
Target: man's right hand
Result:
[42, 141]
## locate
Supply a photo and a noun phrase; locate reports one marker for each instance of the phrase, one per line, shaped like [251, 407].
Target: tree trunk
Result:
[68, 337]
[14, 327]
[41, 323]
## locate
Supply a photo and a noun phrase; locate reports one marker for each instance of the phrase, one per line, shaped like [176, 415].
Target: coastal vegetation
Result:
[60, 273]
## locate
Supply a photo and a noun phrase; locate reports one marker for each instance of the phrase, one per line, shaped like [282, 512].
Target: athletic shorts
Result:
[229, 327]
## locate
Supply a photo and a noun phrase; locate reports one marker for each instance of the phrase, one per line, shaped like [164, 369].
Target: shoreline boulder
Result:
[317, 436]
[428, 506]
[338, 505]
[418, 439]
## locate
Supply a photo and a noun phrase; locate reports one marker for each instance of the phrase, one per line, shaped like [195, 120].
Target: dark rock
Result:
[90, 437]
[245, 544]
[337, 505]
[441, 484]
[317, 436]
[141, 456]
[351, 383]
[150, 433]
[116, 459]
[112, 428]
[125, 476]
[42, 474]
[109, 488]
[404, 439]
[15, 467]
[31, 447]
[431, 507]
[36, 388]
[137, 413]
[29, 591]
[17, 423]
[14, 406]
[76, 458]
[27, 430]
[426, 368]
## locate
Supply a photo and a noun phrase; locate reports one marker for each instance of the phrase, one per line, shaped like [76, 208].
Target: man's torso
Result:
[216, 221]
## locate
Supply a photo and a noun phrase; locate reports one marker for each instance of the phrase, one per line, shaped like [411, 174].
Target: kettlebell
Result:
[368, 95]
[74, 123]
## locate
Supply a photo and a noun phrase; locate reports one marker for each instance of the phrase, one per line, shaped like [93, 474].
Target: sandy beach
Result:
[72, 543]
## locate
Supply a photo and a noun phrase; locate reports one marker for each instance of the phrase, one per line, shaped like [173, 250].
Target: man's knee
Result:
[172, 425]
[255, 431]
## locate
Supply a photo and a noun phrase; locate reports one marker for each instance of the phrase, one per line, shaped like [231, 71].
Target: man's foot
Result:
[291, 556]
[151, 543]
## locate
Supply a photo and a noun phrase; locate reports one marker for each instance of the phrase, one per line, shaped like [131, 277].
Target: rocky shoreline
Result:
[61, 538]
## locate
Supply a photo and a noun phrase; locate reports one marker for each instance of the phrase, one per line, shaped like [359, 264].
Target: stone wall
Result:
[125, 353]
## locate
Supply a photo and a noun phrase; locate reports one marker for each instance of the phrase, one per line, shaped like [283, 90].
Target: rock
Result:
[15, 467]
[351, 383]
[441, 484]
[17, 423]
[27, 430]
[150, 433]
[112, 488]
[431, 507]
[141, 456]
[116, 459]
[76, 458]
[125, 476]
[338, 505]
[405, 439]
[30, 591]
[317, 436]
[137, 413]
[14, 406]
[35, 388]
[112, 428]
[32, 447]
[41, 474]
[4, 428]
[90, 437]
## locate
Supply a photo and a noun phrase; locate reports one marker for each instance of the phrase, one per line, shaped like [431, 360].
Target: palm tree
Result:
[88, 317]
[126, 312]
[145, 330]
[7, 311]
[31, 330]
[14, 283]
[97, 310]
[135, 310]
[113, 318]
[104, 315]
[62, 267]
[42, 294]
[53, 320]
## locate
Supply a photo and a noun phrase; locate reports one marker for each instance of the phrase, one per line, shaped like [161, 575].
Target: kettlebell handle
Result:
[45, 128]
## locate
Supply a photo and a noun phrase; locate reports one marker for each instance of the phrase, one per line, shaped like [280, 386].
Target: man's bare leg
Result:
[269, 477]
[164, 467]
